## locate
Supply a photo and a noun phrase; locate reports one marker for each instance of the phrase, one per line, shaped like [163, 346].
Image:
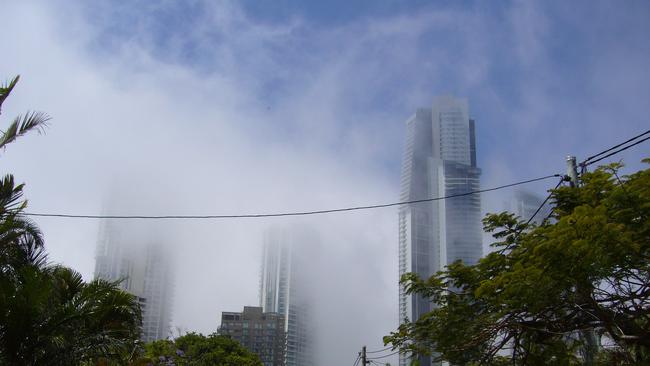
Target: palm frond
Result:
[68, 283]
[21, 125]
[21, 243]
[10, 196]
[6, 89]
[34, 250]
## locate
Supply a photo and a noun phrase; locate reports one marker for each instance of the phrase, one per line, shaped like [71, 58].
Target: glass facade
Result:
[283, 289]
[524, 204]
[143, 270]
[439, 160]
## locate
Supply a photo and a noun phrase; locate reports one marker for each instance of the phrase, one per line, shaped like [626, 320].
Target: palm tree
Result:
[21, 242]
[22, 257]
[52, 317]
[20, 238]
[48, 314]
[86, 321]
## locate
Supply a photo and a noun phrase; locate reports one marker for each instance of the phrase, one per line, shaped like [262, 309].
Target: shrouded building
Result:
[142, 266]
[259, 332]
[439, 160]
[524, 204]
[283, 287]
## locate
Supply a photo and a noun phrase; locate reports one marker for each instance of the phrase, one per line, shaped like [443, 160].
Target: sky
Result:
[224, 107]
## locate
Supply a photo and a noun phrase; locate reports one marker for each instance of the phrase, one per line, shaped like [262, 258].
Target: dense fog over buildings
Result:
[286, 287]
[232, 108]
[137, 256]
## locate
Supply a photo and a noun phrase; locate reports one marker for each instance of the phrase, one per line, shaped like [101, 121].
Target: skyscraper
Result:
[283, 287]
[524, 204]
[142, 266]
[439, 160]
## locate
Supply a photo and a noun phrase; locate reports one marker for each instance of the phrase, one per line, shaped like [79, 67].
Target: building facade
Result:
[283, 287]
[144, 270]
[524, 204]
[439, 160]
[259, 332]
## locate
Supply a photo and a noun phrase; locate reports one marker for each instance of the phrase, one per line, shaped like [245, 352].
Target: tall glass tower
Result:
[142, 266]
[283, 287]
[524, 204]
[439, 160]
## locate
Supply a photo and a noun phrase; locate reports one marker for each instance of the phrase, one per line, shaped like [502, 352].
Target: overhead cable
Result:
[379, 350]
[384, 356]
[543, 203]
[299, 213]
[615, 152]
[588, 161]
[356, 362]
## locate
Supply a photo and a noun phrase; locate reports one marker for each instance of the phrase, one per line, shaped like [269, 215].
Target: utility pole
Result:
[589, 350]
[572, 170]
[363, 356]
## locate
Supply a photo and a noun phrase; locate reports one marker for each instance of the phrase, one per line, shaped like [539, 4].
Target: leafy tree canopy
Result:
[197, 349]
[548, 293]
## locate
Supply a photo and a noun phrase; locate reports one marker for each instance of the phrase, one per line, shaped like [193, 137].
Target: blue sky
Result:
[200, 107]
[543, 69]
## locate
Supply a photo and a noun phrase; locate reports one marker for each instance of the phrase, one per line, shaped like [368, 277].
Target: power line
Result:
[543, 203]
[614, 152]
[587, 161]
[380, 350]
[299, 213]
[356, 362]
[384, 356]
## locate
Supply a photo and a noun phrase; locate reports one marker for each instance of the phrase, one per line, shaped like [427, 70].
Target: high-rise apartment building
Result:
[283, 287]
[524, 204]
[259, 332]
[439, 160]
[143, 268]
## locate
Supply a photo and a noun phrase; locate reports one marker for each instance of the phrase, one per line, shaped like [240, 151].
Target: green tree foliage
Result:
[198, 350]
[546, 293]
[48, 314]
